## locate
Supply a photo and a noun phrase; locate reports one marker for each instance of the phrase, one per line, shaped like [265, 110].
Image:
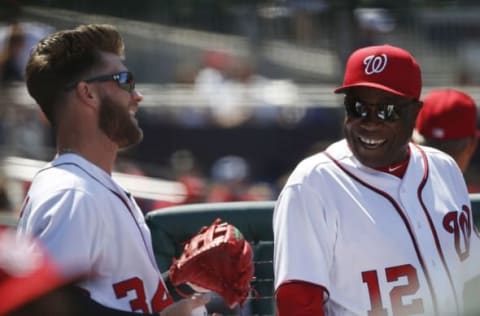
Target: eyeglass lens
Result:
[384, 112]
[125, 81]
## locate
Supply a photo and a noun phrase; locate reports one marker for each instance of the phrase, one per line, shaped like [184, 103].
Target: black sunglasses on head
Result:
[124, 79]
[389, 112]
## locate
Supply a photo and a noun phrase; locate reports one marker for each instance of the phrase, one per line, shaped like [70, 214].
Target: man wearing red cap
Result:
[375, 225]
[448, 122]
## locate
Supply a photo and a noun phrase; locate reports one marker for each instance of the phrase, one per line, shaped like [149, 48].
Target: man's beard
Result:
[117, 123]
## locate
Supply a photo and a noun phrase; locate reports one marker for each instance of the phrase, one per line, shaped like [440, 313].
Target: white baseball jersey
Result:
[89, 224]
[378, 244]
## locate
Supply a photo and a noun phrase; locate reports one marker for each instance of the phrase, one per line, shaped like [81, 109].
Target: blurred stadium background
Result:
[236, 92]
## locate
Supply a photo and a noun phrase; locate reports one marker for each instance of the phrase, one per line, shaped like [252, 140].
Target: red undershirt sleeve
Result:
[299, 299]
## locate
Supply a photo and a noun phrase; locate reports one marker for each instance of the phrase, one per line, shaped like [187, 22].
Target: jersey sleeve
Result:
[304, 234]
[299, 299]
[68, 224]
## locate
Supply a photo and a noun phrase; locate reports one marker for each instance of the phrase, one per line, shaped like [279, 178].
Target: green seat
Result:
[172, 226]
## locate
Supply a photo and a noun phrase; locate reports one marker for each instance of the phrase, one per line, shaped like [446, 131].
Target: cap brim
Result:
[370, 85]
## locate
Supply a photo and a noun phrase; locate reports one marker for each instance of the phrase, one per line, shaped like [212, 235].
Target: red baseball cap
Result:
[26, 273]
[447, 114]
[384, 67]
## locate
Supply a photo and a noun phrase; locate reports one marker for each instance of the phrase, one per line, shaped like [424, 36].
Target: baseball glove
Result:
[218, 259]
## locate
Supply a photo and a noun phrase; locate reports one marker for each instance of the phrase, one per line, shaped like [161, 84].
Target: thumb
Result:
[199, 299]
[185, 306]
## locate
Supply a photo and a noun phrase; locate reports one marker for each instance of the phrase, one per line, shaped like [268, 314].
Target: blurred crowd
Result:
[228, 180]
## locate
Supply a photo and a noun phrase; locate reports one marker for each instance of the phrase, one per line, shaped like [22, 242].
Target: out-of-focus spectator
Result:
[186, 170]
[305, 18]
[236, 94]
[372, 23]
[27, 134]
[183, 162]
[468, 72]
[223, 83]
[260, 191]
[231, 182]
[448, 122]
[11, 67]
[229, 179]
[195, 188]
[16, 40]
[22, 132]
[212, 74]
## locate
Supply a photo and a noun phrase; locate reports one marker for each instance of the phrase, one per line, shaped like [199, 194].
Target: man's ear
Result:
[418, 107]
[87, 94]
[419, 104]
[473, 144]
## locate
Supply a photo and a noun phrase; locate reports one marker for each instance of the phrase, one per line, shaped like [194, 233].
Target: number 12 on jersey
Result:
[393, 274]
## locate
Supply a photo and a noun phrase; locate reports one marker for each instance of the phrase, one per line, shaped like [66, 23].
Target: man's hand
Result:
[185, 306]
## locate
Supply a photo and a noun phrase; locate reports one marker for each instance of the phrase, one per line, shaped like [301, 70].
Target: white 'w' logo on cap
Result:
[375, 63]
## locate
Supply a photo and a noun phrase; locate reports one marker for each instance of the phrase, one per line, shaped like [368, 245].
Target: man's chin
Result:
[127, 143]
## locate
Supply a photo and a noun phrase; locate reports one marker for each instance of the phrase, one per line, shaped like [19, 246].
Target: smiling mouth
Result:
[371, 143]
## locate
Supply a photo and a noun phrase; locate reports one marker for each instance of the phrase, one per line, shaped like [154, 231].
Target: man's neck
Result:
[101, 156]
[397, 169]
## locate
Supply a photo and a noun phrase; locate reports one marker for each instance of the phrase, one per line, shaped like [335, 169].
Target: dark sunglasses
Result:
[390, 112]
[124, 79]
